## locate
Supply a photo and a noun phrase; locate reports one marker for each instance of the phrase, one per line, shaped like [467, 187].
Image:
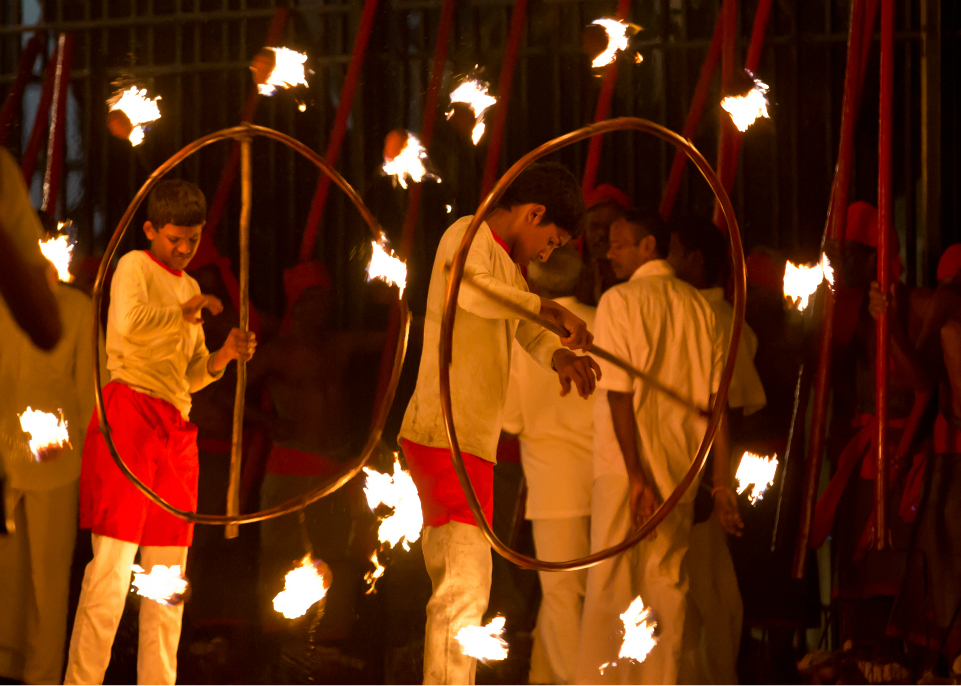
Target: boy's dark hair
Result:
[697, 233]
[553, 186]
[649, 224]
[176, 202]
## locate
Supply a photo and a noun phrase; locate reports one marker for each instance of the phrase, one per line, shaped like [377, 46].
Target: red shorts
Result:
[160, 447]
[441, 497]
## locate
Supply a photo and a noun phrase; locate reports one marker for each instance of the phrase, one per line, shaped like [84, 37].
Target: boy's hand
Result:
[725, 506]
[240, 345]
[581, 370]
[578, 338]
[192, 308]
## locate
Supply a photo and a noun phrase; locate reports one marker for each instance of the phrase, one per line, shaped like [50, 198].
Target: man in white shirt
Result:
[556, 437]
[542, 210]
[644, 444]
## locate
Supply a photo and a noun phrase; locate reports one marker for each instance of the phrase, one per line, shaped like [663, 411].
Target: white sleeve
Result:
[19, 220]
[198, 374]
[610, 334]
[513, 422]
[130, 308]
[479, 267]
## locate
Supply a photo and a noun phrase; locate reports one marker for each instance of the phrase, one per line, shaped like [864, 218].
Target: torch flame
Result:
[388, 267]
[638, 634]
[484, 642]
[616, 40]
[409, 164]
[58, 250]
[404, 524]
[303, 586]
[800, 282]
[139, 109]
[45, 430]
[288, 71]
[373, 575]
[473, 93]
[163, 584]
[746, 109]
[756, 471]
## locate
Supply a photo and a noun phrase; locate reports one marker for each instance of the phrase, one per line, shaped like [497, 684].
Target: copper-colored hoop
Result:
[380, 412]
[450, 309]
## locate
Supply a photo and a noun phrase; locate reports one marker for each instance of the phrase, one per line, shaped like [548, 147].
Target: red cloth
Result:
[293, 462]
[606, 193]
[950, 263]
[862, 226]
[442, 499]
[501, 242]
[160, 447]
[207, 254]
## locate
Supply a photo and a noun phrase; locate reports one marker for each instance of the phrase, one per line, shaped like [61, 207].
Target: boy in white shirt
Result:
[157, 357]
[542, 210]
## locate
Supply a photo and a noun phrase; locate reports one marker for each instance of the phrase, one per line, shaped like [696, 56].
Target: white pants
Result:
[558, 629]
[35, 583]
[652, 569]
[102, 597]
[712, 631]
[458, 561]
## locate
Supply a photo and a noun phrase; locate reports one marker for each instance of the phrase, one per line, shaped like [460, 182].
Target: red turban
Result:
[862, 227]
[606, 193]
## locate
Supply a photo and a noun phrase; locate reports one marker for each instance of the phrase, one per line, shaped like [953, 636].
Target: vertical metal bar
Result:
[910, 188]
[179, 87]
[87, 138]
[929, 235]
[105, 146]
[794, 126]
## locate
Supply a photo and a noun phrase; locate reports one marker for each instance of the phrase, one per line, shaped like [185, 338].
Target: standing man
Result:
[557, 443]
[644, 444]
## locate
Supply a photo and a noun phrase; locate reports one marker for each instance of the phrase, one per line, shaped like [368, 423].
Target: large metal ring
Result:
[380, 412]
[450, 309]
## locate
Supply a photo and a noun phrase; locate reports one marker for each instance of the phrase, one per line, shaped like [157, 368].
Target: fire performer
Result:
[643, 446]
[556, 437]
[542, 210]
[157, 356]
[41, 495]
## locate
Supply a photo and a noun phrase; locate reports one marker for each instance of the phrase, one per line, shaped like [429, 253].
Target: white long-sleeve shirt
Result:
[150, 346]
[484, 333]
[556, 434]
[665, 327]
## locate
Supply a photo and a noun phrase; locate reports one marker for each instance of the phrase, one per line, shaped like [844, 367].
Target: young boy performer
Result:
[157, 357]
[539, 212]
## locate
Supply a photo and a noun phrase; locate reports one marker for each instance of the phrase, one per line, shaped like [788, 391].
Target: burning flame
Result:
[388, 267]
[373, 575]
[746, 109]
[757, 471]
[303, 586]
[473, 93]
[638, 634]
[409, 164]
[404, 524]
[484, 642]
[139, 109]
[45, 430]
[800, 282]
[288, 71]
[164, 584]
[616, 40]
[58, 250]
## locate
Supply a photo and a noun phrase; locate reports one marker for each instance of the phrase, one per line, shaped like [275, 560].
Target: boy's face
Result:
[536, 240]
[173, 245]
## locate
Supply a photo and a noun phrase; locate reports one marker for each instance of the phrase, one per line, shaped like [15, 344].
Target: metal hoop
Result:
[380, 412]
[450, 309]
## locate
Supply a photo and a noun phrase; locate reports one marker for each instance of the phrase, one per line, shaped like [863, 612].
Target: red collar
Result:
[175, 272]
[500, 242]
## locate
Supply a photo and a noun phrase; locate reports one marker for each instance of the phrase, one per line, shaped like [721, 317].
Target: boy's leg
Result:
[458, 560]
[102, 597]
[159, 623]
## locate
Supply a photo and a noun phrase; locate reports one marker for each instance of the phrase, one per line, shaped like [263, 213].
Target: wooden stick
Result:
[236, 442]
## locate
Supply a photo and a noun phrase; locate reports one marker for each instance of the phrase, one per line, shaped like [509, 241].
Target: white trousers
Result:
[35, 583]
[458, 561]
[712, 631]
[558, 629]
[652, 569]
[102, 598]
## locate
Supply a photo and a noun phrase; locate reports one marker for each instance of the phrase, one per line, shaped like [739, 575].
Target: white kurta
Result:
[663, 326]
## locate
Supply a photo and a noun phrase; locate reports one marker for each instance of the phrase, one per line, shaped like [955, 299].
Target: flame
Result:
[288, 71]
[638, 634]
[372, 576]
[45, 430]
[139, 109]
[58, 250]
[801, 281]
[616, 40]
[164, 584]
[303, 586]
[404, 524]
[756, 471]
[484, 642]
[388, 267]
[409, 164]
[473, 93]
[746, 109]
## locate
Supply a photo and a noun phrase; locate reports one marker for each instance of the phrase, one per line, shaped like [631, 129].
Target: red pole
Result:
[603, 110]
[28, 163]
[427, 127]
[858, 29]
[518, 23]
[58, 134]
[14, 96]
[340, 128]
[885, 227]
